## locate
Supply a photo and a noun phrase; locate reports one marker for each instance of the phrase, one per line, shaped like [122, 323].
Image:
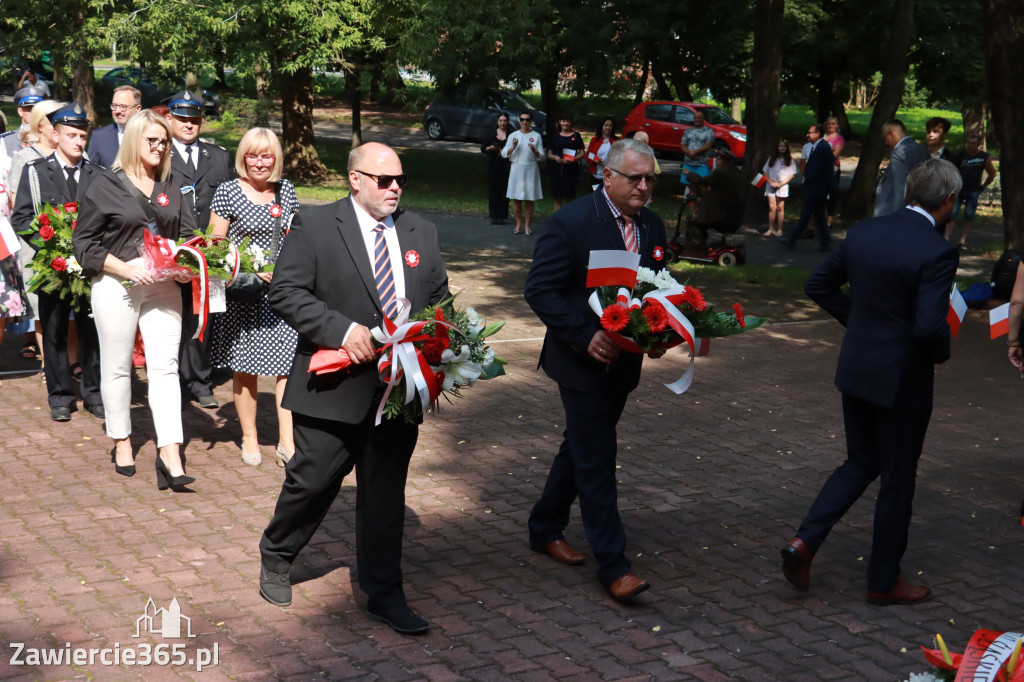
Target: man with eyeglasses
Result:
[59, 179]
[198, 168]
[594, 375]
[106, 141]
[342, 269]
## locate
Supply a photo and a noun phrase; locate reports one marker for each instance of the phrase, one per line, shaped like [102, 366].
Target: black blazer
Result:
[556, 290]
[103, 146]
[110, 221]
[323, 283]
[53, 188]
[214, 166]
[900, 272]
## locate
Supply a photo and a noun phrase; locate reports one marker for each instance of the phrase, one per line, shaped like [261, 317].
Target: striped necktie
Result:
[629, 234]
[382, 274]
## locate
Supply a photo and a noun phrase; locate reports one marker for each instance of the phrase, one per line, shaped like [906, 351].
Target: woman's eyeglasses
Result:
[260, 159]
[156, 143]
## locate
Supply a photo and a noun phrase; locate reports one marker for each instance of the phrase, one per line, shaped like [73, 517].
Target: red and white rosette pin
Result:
[162, 199]
[412, 259]
[658, 253]
[275, 210]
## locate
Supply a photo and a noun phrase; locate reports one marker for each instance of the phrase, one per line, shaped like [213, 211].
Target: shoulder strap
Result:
[143, 202]
[275, 245]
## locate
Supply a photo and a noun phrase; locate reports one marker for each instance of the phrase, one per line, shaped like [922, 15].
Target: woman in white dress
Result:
[780, 169]
[524, 149]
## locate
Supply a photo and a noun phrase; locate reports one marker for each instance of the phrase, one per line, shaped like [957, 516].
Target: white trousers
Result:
[156, 310]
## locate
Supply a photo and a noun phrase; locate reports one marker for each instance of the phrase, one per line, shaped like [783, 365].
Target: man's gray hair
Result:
[931, 181]
[619, 149]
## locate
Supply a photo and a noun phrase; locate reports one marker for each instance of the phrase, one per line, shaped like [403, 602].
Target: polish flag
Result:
[612, 268]
[712, 163]
[593, 157]
[8, 241]
[569, 154]
[957, 310]
[999, 321]
[759, 180]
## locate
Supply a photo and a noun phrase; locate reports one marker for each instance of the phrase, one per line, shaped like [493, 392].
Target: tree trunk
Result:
[826, 82]
[737, 108]
[973, 116]
[353, 95]
[664, 89]
[301, 162]
[839, 111]
[682, 84]
[549, 99]
[763, 102]
[860, 199]
[642, 85]
[82, 90]
[263, 80]
[1004, 68]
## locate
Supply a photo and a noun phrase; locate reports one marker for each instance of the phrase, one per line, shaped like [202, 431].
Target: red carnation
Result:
[657, 318]
[44, 219]
[71, 207]
[739, 314]
[46, 232]
[432, 350]
[615, 317]
[693, 298]
[59, 264]
[441, 331]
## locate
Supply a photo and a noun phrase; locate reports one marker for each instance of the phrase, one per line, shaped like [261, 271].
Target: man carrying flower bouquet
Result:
[59, 180]
[343, 268]
[593, 374]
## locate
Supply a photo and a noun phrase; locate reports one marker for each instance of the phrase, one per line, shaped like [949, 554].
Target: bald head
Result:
[371, 153]
[376, 179]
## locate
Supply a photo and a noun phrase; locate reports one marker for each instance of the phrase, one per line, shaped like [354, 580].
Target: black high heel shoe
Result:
[164, 480]
[126, 470]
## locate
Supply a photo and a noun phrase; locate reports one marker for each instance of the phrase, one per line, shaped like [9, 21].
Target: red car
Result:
[666, 121]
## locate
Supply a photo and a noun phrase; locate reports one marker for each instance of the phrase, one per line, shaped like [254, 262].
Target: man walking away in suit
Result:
[819, 182]
[124, 103]
[326, 287]
[61, 178]
[594, 376]
[905, 154]
[900, 270]
[198, 168]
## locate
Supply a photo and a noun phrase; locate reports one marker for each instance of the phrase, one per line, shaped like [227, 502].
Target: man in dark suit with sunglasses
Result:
[594, 375]
[343, 268]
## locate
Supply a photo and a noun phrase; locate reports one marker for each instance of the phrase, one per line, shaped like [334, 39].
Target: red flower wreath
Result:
[615, 317]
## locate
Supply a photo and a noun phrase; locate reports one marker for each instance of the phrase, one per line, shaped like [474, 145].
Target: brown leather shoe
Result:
[560, 551]
[627, 585]
[796, 564]
[901, 593]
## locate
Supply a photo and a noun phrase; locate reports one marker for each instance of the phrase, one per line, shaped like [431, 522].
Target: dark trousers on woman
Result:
[194, 371]
[325, 452]
[880, 442]
[497, 191]
[54, 312]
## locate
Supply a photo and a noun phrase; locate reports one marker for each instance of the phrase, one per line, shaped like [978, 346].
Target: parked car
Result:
[471, 113]
[155, 87]
[666, 121]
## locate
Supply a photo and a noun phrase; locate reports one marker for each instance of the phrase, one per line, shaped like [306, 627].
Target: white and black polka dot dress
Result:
[249, 337]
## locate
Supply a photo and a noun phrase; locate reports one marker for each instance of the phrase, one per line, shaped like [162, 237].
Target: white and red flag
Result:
[759, 180]
[9, 244]
[612, 268]
[957, 310]
[999, 321]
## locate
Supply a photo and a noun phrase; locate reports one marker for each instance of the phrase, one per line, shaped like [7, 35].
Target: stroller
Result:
[723, 253]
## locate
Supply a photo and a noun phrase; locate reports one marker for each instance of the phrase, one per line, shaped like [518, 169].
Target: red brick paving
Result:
[711, 484]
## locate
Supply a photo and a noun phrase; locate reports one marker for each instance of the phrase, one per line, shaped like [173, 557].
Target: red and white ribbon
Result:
[201, 282]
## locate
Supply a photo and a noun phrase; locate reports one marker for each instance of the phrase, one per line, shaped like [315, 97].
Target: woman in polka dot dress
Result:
[249, 338]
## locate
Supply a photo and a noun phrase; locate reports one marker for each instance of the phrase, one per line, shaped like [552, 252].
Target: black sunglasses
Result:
[384, 181]
[524, 120]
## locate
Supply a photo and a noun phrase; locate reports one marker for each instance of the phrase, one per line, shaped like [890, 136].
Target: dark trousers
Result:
[882, 442]
[53, 317]
[585, 467]
[833, 197]
[325, 452]
[193, 354]
[814, 205]
[497, 190]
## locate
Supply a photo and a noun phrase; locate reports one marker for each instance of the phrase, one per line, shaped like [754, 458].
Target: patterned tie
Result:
[188, 157]
[72, 183]
[382, 274]
[629, 234]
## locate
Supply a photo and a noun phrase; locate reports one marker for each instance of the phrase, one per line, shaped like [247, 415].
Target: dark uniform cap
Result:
[28, 96]
[185, 104]
[70, 115]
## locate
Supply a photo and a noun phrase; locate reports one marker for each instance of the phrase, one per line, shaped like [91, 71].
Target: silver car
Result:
[472, 113]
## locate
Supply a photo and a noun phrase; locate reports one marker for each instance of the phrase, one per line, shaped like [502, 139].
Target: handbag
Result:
[247, 286]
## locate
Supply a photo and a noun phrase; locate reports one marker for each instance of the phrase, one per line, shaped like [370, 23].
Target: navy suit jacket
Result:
[215, 166]
[900, 272]
[892, 187]
[103, 146]
[323, 283]
[819, 177]
[556, 290]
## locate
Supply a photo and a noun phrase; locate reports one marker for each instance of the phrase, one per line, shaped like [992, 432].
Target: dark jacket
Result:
[198, 186]
[53, 188]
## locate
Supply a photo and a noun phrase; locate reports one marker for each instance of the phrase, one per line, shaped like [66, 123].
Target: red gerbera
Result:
[693, 298]
[59, 264]
[46, 232]
[739, 314]
[71, 207]
[657, 318]
[615, 317]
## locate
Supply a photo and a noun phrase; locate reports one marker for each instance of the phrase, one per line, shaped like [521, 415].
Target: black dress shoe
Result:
[96, 411]
[399, 617]
[276, 588]
[796, 564]
[207, 401]
[60, 414]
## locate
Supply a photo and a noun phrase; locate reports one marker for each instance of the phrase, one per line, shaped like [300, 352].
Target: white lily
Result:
[476, 323]
[459, 369]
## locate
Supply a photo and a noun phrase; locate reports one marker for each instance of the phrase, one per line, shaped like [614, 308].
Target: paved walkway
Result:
[711, 484]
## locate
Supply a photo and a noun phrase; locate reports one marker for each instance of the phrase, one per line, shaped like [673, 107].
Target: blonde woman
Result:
[118, 207]
[250, 338]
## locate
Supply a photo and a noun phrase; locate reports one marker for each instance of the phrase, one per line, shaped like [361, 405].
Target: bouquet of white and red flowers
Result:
[55, 270]
[436, 352]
